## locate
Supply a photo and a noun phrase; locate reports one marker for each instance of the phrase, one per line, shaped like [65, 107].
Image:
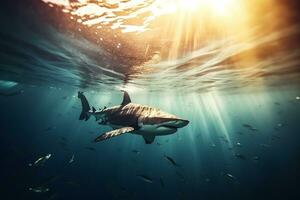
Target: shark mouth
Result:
[174, 124]
[168, 126]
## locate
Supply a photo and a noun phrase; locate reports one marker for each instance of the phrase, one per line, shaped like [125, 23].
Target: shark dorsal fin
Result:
[126, 99]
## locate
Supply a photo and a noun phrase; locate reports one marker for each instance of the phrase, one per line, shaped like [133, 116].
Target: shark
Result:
[132, 118]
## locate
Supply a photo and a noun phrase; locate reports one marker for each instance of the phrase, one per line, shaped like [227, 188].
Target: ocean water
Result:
[241, 96]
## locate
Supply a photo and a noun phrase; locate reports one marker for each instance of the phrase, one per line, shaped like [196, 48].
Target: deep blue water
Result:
[42, 120]
[242, 141]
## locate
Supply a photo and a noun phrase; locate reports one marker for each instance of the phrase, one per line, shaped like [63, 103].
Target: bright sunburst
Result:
[188, 4]
[219, 7]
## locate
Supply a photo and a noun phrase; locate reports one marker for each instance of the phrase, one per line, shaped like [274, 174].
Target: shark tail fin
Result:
[85, 107]
[84, 116]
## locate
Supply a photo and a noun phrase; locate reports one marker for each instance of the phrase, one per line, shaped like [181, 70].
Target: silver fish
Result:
[72, 159]
[40, 161]
[40, 189]
[145, 178]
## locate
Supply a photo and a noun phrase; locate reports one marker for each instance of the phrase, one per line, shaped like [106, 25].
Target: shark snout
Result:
[181, 123]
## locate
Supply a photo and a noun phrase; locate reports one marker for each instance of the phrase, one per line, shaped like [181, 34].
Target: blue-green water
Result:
[44, 120]
[242, 141]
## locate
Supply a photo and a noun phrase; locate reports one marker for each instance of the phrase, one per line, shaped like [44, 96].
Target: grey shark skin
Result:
[132, 118]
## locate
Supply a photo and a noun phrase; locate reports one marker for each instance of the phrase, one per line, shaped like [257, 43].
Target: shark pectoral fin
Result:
[114, 133]
[149, 138]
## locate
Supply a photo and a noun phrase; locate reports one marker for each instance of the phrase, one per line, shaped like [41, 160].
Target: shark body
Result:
[132, 118]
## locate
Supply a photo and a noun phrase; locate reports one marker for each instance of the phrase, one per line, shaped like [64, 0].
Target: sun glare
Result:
[187, 4]
[221, 7]
[218, 7]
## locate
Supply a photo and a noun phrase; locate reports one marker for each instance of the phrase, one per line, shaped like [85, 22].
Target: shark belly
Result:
[155, 130]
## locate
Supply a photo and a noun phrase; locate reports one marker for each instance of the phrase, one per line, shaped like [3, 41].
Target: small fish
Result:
[145, 178]
[40, 161]
[230, 176]
[240, 156]
[171, 160]
[256, 158]
[39, 189]
[90, 148]
[159, 144]
[238, 144]
[277, 103]
[72, 159]
[135, 151]
[161, 182]
[248, 126]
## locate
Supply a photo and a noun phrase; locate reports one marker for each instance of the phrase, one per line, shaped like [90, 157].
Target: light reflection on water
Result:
[165, 57]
